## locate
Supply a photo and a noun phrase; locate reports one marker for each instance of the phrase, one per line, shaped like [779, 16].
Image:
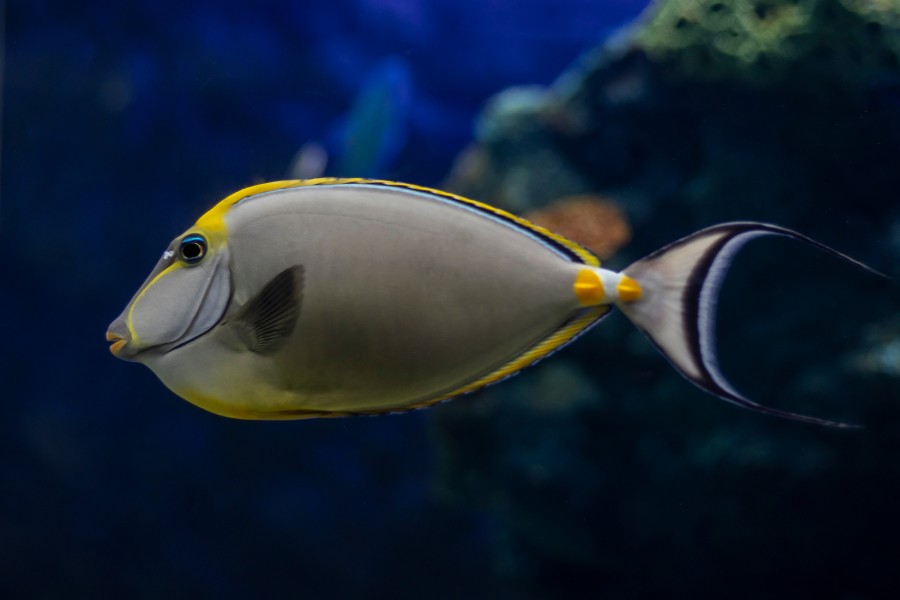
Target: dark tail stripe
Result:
[699, 304]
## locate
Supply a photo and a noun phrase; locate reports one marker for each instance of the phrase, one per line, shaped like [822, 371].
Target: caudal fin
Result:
[677, 308]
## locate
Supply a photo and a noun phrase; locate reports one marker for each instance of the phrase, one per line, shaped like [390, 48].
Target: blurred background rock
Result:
[604, 470]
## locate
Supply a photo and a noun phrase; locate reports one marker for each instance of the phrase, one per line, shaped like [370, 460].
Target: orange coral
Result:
[593, 221]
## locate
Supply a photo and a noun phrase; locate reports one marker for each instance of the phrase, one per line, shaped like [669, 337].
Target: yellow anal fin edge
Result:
[555, 341]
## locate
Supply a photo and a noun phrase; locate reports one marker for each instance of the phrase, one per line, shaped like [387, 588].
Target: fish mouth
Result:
[118, 342]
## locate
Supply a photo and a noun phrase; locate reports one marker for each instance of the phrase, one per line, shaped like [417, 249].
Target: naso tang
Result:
[332, 297]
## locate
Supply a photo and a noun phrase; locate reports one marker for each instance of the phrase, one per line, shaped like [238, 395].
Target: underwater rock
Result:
[513, 139]
[637, 121]
[880, 354]
[774, 42]
[785, 111]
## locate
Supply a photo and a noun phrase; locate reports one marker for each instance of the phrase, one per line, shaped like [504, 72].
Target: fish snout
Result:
[122, 345]
[118, 342]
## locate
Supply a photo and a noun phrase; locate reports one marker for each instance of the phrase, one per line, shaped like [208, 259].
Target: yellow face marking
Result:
[178, 264]
[213, 221]
[128, 323]
[628, 289]
[589, 288]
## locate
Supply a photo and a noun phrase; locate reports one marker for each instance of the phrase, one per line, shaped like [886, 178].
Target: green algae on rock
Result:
[773, 41]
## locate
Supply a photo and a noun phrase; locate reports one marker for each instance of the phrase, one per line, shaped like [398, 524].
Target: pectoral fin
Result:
[266, 321]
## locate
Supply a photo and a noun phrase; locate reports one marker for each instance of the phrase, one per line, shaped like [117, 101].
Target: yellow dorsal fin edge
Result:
[213, 222]
[546, 346]
[553, 342]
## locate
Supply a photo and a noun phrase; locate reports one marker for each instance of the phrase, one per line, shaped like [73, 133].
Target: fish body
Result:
[333, 297]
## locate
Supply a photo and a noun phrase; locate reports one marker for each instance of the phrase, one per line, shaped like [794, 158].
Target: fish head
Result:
[185, 296]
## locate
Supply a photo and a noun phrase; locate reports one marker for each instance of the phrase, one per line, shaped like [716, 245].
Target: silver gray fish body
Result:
[334, 297]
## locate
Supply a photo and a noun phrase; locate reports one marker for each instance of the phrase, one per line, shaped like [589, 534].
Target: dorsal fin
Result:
[571, 250]
[213, 220]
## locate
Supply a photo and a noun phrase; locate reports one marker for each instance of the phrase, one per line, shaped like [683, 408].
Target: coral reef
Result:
[784, 42]
[592, 221]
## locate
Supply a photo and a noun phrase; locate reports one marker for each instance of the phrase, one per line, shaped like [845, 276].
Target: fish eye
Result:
[192, 249]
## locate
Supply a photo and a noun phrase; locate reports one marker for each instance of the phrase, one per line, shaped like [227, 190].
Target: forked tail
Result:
[677, 308]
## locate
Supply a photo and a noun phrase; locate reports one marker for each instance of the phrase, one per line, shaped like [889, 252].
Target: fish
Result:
[310, 161]
[374, 131]
[345, 296]
[371, 135]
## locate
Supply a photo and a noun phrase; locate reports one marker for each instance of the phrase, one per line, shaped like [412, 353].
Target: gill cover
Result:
[183, 298]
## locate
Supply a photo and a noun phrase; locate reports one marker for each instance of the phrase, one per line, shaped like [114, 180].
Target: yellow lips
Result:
[118, 344]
